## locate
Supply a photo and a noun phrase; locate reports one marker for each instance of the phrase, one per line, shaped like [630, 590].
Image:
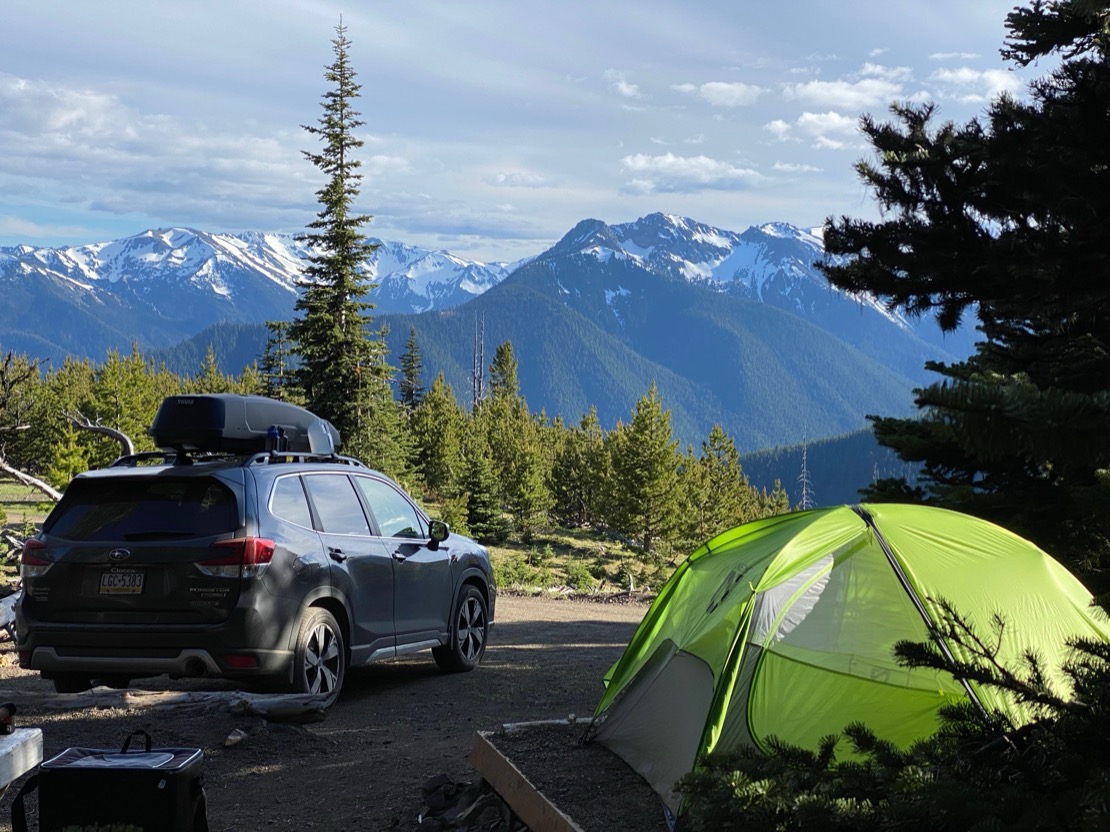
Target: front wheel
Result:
[469, 630]
[320, 658]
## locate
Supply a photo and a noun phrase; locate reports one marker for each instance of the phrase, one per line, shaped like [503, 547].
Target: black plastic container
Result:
[136, 789]
[230, 423]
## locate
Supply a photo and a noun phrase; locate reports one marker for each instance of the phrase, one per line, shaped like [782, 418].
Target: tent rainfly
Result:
[786, 626]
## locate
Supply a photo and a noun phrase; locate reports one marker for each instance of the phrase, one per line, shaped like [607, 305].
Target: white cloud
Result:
[822, 123]
[621, 86]
[874, 53]
[953, 56]
[846, 95]
[723, 93]
[669, 173]
[825, 131]
[518, 180]
[780, 129]
[972, 85]
[790, 167]
[894, 74]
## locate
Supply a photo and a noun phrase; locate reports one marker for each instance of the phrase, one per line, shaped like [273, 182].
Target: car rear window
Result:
[144, 508]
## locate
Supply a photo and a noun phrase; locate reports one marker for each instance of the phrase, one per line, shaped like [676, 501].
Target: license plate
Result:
[121, 582]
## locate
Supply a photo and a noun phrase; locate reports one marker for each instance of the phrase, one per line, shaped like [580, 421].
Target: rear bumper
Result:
[243, 645]
[185, 662]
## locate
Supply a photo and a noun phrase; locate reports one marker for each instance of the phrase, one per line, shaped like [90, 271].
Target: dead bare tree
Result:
[82, 422]
[32, 482]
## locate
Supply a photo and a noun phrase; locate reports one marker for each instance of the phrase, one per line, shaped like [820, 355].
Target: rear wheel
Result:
[71, 682]
[469, 629]
[320, 658]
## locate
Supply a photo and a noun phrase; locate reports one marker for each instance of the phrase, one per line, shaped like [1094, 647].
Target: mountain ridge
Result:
[728, 321]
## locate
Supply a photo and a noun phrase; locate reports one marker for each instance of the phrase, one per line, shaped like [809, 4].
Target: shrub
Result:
[579, 578]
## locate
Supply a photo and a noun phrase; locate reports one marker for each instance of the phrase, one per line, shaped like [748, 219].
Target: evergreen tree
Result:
[503, 379]
[67, 458]
[579, 472]
[125, 395]
[343, 371]
[46, 445]
[520, 459]
[484, 517]
[643, 493]
[211, 379]
[1006, 219]
[728, 498]
[412, 367]
[437, 428]
[274, 367]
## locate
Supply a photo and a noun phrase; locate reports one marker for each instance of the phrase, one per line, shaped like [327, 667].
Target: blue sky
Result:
[491, 127]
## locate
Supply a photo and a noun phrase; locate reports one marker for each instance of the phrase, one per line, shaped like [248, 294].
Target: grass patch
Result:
[20, 503]
[581, 560]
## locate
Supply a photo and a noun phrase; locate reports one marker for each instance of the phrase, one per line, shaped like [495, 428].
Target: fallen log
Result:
[282, 707]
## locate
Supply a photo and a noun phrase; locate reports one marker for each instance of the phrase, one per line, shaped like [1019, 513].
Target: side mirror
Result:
[439, 532]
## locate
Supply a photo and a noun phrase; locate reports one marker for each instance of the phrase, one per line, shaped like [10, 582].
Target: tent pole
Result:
[933, 631]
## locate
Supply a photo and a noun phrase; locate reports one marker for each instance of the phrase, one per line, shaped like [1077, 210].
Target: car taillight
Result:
[243, 557]
[32, 563]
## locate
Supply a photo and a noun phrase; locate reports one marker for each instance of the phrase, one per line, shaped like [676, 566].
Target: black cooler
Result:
[144, 789]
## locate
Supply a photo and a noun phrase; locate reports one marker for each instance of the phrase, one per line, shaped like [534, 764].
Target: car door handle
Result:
[336, 555]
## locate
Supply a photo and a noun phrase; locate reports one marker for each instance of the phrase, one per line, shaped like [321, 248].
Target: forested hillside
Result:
[836, 468]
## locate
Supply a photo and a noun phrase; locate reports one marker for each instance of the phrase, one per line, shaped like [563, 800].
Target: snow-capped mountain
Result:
[418, 280]
[162, 286]
[773, 264]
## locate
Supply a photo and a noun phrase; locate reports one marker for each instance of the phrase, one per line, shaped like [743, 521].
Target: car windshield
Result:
[144, 508]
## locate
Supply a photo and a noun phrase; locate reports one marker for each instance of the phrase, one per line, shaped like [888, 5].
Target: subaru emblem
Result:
[119, 554]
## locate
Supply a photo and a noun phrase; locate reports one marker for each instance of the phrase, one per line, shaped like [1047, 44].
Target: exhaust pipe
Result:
[195, 668]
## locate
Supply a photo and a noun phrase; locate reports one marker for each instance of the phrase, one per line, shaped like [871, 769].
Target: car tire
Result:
[71, 683]
[320, 657]
[469, 631]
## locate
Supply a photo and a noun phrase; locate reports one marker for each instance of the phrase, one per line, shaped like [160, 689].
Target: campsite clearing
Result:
[396, 725]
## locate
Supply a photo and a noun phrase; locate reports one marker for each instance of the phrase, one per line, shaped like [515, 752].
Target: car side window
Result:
[396, 516]
[336, 503]
[289, 502]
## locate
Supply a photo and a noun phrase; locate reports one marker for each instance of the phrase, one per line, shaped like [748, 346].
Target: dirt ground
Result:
[396, 724]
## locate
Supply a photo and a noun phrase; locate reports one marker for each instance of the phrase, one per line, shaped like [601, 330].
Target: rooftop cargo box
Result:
[229, 423]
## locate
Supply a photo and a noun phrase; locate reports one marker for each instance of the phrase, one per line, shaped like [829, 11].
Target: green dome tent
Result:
[786, 627]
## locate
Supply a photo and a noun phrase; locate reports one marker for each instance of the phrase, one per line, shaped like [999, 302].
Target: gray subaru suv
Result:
[246, 548]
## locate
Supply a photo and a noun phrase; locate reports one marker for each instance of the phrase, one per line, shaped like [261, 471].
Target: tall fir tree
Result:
[211, 379]
[343, 372]
[437, 427]
[579, 472]
[411, 384]
[484, 517]
[643, 494]
[274, 367]
[719, 493]
[1006, 219]
[125, 395]
[514, 439]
